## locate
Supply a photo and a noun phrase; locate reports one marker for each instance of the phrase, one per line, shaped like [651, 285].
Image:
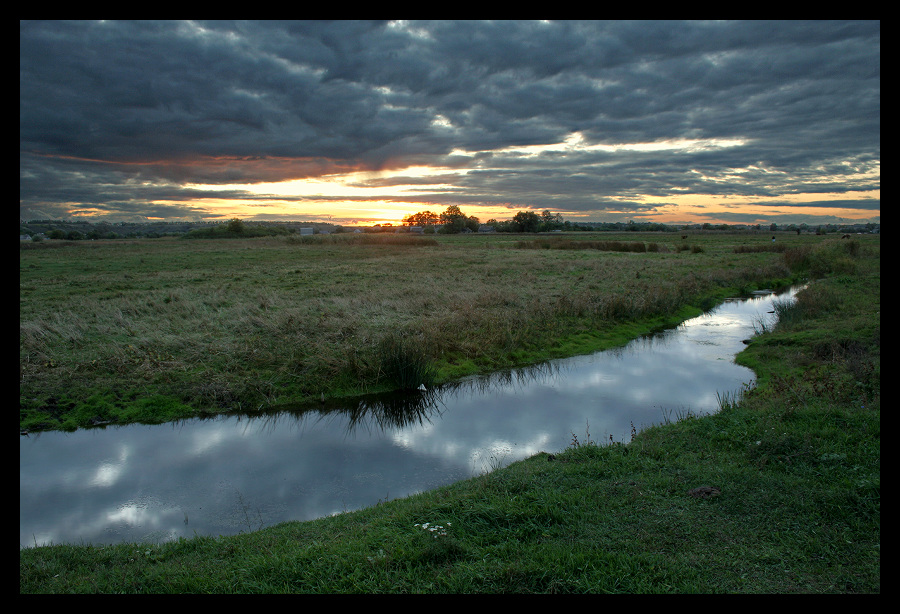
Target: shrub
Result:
[235, 226]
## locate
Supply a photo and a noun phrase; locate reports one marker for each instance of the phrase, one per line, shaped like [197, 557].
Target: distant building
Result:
[306, 231]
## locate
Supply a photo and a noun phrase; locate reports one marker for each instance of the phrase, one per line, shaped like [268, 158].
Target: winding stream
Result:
[229, 474]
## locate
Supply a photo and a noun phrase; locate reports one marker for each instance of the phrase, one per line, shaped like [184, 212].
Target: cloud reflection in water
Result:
[229, 474]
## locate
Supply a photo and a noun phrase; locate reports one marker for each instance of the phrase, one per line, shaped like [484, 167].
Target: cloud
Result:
[134, 112]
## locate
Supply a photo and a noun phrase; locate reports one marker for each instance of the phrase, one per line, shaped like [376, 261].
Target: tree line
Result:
[453, 220]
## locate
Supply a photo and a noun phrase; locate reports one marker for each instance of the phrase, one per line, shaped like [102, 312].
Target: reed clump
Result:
[403, 360]
[825, 258]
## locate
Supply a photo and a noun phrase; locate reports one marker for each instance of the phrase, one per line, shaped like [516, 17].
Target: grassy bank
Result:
[154, 330]
[777, 493]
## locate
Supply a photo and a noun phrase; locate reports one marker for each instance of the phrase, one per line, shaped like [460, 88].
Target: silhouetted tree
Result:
[422, 218]
[526, 221]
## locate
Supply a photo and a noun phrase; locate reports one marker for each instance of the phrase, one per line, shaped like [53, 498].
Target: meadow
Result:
[157, 329]
[778, 492]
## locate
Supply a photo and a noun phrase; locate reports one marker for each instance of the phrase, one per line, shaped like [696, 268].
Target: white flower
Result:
[435, 529]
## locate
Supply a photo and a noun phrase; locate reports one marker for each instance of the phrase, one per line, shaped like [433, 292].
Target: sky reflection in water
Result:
[232, 474]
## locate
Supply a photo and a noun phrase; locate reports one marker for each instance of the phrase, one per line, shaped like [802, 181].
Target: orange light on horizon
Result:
[346, 194]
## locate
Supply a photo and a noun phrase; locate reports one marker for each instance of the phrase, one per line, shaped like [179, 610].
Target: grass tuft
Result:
[403, 360]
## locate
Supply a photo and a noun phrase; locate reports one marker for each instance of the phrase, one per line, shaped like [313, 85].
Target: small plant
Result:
[245, 508]
[436, 545]
[730, 400]
[727, 400]
[680, 414]
[495, 461]
[404, 362]
[587, 438]
[436, 530]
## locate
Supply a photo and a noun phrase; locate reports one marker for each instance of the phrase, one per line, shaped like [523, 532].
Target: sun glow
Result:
[386, 196]
[351, 185]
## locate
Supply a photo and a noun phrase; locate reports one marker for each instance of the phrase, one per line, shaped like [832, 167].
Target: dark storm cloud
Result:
[129, 112]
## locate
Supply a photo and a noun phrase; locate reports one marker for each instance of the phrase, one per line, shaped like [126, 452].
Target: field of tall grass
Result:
[151, 330]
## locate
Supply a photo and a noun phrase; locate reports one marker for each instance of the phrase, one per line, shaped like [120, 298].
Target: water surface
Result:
[230, 474]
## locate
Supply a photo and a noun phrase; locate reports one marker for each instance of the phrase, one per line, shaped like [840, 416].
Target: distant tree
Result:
[546, 220]
[526, 221]
[236, 226]
[453, 219]
[422, 218]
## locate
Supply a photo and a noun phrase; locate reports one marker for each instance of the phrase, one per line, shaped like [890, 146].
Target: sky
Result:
[361, 122]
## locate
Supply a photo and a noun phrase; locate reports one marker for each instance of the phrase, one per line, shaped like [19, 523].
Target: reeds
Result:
[403, 360]
[821, 259]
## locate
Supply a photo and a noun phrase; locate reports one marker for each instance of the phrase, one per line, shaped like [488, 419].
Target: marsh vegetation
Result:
[151, 330]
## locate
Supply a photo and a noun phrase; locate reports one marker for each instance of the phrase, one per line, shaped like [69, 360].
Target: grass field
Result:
[152, 330]
[779, 492]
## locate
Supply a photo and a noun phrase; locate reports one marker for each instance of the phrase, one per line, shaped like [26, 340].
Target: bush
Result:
[235, 226]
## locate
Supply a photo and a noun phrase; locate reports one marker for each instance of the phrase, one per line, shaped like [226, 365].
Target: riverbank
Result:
[777, 493]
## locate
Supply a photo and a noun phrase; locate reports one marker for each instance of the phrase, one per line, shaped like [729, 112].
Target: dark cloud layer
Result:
[116, 115]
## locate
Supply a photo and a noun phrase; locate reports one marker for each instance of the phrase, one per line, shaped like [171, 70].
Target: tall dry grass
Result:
[254, 322]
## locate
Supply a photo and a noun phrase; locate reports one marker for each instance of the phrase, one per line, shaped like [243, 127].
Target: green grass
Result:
[796, 461]
[249, 324]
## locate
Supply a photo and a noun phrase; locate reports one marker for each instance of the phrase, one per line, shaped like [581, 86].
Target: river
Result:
[231, 474]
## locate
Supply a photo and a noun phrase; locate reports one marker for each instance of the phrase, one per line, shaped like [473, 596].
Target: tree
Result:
[235, 226]
[526, 221]
[546, 220]
[422, 218]
[453, 219]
